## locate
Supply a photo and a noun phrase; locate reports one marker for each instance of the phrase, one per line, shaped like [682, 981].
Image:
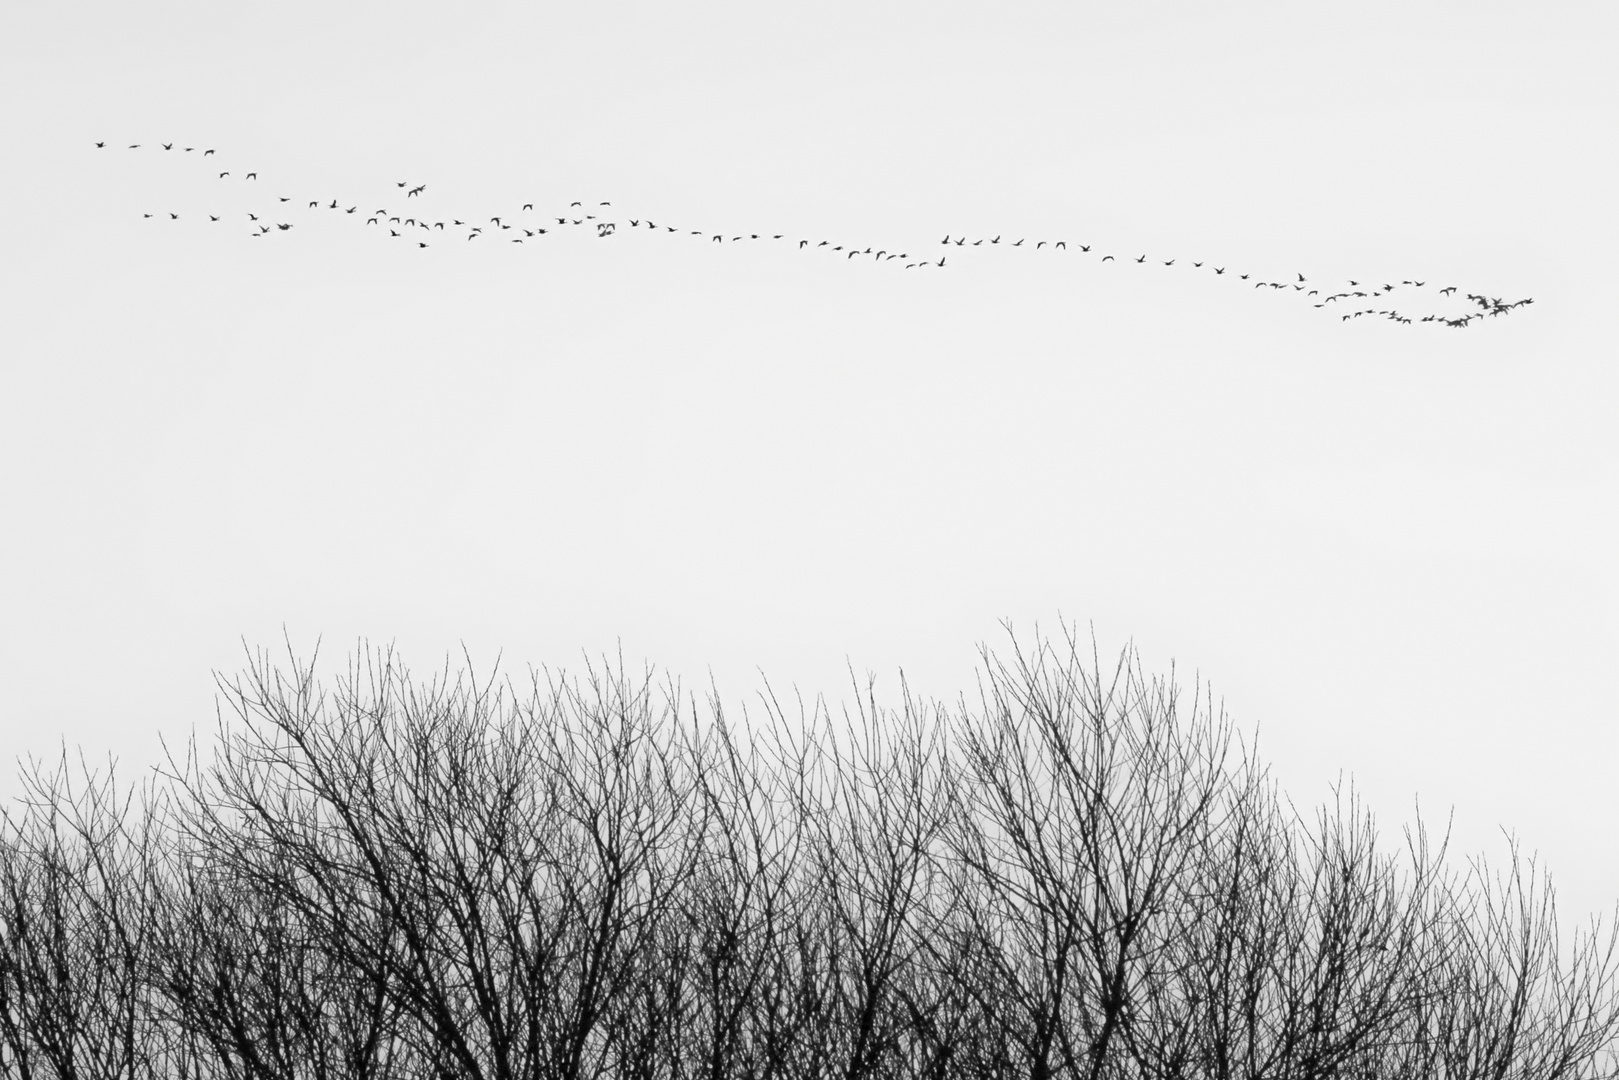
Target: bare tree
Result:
[1077, 876]
[1521, 1006]
[76, 872]
[1084, 805]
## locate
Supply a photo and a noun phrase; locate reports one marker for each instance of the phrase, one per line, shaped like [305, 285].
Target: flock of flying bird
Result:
[422, 230]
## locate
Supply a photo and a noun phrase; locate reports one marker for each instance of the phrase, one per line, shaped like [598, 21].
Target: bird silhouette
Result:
[1490, 306]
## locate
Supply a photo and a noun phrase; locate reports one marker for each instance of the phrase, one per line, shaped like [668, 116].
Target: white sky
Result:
[1390, 547]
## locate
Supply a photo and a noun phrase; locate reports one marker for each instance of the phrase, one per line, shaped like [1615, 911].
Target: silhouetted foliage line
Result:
[1084, 874]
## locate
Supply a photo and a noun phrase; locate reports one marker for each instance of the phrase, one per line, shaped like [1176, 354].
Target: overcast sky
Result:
[1388, 546]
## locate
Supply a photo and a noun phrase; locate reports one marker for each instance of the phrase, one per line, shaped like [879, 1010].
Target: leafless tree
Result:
[1083, 801]
[1081, 875]
[77, 866]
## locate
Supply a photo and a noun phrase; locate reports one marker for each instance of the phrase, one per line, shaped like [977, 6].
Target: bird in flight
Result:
[1492, 306]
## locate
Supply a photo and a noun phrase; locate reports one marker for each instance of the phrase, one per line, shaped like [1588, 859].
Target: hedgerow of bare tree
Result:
[1081, 874]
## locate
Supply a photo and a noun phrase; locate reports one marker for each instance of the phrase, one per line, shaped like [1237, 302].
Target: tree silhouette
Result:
[1082, 875]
